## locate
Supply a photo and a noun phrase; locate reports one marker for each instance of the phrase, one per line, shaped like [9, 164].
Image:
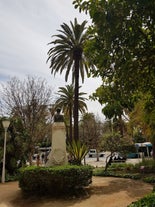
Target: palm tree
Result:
[67, 54]
[66, 102]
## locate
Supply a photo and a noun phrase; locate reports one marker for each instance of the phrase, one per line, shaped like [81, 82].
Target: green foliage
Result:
[123, 45]
[66, 103]
[91, 129]
[124, 35]
[147, 201]
[66, 99]
[150, 179]
[77, 151]
[113, 142]
[54, 180]
[111, 173]
[14, 148]
[128, 170]
[113, 99]
[148, 165]
[139, 128]
[67, 54]
[126, 167]
[11, 178]
[63, 52]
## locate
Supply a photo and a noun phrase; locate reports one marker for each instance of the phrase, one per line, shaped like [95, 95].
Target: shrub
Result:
[148, 200]
[54, 180]
[148, 166]
[77, 151]
[101, 172]
[121, 166]
[150, 179]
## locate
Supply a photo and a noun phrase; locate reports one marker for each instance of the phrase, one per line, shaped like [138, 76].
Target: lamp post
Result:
[6, 124]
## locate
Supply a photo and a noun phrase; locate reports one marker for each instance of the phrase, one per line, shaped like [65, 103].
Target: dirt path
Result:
[103, 192]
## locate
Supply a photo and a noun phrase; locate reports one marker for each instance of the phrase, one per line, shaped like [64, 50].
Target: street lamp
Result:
[6, 124]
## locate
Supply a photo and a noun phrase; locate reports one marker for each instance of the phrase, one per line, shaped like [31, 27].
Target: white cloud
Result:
[26, 28]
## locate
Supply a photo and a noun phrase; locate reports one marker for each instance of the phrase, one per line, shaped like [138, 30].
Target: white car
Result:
[93, 153]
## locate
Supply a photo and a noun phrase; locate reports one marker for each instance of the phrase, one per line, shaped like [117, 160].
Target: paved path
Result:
[103, 192]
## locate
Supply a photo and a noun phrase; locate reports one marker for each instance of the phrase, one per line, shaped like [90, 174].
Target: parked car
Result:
[93, 153]
[117, 157]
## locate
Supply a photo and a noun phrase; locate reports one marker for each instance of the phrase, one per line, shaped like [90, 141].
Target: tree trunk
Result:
[76, 101]
[97, 156]
[70, 124]
[108, 161]
[121, 127]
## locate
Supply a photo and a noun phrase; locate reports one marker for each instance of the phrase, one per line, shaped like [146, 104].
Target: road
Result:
[102, 160]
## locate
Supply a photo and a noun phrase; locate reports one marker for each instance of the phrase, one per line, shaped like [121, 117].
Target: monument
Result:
[58, 155]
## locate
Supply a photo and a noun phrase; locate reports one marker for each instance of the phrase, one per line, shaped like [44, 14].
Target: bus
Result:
[142, 150]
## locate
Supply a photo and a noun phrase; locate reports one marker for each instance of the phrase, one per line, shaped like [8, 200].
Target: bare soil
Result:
[103, 192]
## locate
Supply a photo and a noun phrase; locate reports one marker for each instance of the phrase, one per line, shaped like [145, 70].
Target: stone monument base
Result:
[58, 154]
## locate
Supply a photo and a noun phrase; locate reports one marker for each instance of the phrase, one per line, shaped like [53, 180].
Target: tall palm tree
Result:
[66, 102]
[67, 54]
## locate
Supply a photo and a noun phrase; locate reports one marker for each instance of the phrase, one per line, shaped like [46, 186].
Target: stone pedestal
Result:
[58, 155]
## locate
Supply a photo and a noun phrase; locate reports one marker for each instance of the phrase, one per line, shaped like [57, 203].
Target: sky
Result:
[26, 27]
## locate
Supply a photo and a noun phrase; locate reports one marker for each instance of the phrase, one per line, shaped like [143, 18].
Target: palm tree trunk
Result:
[76, 101]
[70, 124]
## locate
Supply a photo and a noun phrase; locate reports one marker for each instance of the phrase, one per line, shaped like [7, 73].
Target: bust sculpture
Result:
[58, 117]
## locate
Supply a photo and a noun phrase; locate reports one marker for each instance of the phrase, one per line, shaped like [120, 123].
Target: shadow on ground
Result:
[101, 190]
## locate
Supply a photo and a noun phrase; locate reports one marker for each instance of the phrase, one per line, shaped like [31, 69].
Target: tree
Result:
[116, 103]
[67, 53]
[123, 41]
[123, 46]
[91, 132]
[137, 125]
[114, 142]
[28, 101]
[14, 147]
[66, 102]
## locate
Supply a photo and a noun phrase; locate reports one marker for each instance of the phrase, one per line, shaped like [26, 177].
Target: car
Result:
[93, 153]
[117, 157]
[101, 154]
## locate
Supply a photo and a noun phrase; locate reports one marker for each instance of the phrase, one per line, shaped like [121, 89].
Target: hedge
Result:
[147, 201]
[54, 180]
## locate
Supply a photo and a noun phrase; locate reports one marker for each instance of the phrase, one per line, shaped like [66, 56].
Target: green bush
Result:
[111, 173]
[77, 151]
[121, 166]
[147, 201]
[148, 166]
[99, 172]
[150, 179]
[54, 180]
